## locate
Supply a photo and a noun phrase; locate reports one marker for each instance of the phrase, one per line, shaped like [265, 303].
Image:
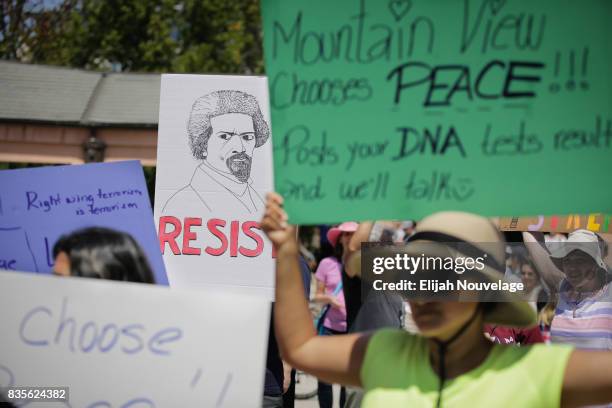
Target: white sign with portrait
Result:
[214, 167]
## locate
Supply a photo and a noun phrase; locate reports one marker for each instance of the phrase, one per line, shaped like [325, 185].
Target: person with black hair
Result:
[101, 253]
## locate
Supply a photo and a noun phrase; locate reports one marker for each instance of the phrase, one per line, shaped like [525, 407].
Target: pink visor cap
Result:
[334, 233]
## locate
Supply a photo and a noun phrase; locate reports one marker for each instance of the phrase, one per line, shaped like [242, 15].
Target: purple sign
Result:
[38, 205]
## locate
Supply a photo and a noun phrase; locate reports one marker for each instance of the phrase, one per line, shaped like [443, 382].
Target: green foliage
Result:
[222, 36]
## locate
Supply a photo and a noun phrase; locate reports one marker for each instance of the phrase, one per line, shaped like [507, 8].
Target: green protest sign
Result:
[397, 109]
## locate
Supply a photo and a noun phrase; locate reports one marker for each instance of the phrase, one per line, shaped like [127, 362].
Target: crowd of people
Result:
[463, 353]
[388, 351]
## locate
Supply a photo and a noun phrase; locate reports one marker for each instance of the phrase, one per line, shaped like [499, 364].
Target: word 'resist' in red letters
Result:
[228, 234]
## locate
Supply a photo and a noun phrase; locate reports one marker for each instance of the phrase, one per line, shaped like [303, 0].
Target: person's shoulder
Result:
[396, 335]
[539, 357]
[393, 340]
[537, 369]
[186, 199]
[546, 364]
[255, 195]
[328, 263]
[329, 260]
[177, 196]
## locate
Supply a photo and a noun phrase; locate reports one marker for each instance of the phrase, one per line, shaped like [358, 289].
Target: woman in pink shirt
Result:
[329, 292]
[329, 277]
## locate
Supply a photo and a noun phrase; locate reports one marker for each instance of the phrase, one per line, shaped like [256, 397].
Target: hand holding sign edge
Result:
[274, 223]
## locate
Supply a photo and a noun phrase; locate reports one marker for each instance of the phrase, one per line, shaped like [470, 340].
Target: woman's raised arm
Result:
[333, 359]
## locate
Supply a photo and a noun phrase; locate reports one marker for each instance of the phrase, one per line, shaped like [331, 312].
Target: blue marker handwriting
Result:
[93, 336]
[93, 203]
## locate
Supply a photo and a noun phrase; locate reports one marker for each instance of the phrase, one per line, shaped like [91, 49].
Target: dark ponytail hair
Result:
[338, 251]
[104, 253]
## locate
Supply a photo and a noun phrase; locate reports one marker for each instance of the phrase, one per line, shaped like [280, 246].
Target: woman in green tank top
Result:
[451, 363]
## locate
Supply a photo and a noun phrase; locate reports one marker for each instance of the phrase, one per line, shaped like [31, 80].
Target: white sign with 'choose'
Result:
[131, 345]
